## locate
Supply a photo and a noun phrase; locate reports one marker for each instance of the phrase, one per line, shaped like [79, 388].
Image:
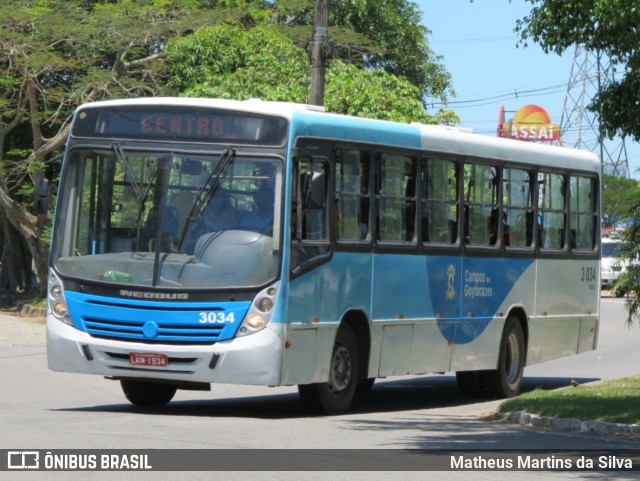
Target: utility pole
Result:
[318, 48]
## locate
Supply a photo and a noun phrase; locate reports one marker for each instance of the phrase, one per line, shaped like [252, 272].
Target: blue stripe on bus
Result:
[463, 294]
[471, 289]
[354, 129]
[150, 321]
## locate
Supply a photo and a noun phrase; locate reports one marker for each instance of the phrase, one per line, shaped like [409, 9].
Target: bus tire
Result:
[506, 380]
[147, 394]
[335, 395]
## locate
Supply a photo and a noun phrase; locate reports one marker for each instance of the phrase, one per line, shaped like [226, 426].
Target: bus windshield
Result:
[169, 219]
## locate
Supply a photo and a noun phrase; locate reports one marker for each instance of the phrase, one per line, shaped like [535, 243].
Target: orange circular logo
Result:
[531, 114]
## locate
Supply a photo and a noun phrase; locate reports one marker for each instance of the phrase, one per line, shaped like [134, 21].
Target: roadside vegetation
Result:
[613, 401]
[58, 54]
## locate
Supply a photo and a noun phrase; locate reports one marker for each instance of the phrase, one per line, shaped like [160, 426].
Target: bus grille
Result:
[173, 333]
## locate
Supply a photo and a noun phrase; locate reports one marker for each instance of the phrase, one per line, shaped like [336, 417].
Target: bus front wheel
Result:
[335, 395]
[147, 394]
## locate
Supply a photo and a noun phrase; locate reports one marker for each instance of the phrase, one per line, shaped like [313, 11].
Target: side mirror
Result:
[41, 196]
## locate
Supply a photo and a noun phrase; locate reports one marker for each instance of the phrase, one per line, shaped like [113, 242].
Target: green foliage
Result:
[606, 26]
[629, 253]
[618, 193]
[227, 61]
[373, 94]
[373, 35]
[400, 41]
[56, 54]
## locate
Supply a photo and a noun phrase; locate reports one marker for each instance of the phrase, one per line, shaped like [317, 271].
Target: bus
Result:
[203, 241]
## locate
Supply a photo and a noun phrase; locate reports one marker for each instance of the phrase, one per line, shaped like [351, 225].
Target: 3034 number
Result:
[216, 318]
[588, 274]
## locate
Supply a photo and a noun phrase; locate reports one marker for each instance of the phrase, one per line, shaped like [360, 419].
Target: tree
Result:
[373, 35]
[400, 41]
[228, 61]
[618, 193]
[628, 206]
[54, 55]
[611, 28]
[607, 26]
[629, 280]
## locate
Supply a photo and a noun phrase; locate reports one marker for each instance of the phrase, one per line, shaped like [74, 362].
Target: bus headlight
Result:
[256, 321]
[265, 304]
[59, 309]
[260, 312]
[56, 300]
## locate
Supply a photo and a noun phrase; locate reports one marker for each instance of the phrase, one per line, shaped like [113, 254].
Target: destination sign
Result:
[180, 124]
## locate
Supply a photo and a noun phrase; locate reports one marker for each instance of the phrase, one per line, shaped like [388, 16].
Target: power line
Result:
[551, 89]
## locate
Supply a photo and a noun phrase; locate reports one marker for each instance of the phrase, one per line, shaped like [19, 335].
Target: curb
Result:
[601, 428]
[31, 311]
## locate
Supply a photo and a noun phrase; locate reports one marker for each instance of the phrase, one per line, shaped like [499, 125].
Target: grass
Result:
[611, 401]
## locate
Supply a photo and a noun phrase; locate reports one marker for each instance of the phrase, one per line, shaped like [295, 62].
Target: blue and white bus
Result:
[248, 242]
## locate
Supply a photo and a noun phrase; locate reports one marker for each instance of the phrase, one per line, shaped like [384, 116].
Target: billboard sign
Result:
[530, 122]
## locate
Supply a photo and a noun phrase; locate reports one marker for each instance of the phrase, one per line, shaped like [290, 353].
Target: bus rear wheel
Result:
[335, 395]
[147, 394]
[507, 379]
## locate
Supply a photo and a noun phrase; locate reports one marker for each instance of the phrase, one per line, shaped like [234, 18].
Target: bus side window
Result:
[551, 203]
[518, 205]
[583, 208]
[352, 203]
[439, 201]
[481, 197]
[395, 197]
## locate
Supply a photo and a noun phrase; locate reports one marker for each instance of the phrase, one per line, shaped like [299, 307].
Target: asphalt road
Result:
[43, 410]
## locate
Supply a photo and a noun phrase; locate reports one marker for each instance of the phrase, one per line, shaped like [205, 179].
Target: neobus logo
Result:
[169, 296]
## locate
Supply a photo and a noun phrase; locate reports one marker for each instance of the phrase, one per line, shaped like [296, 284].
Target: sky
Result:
[490, 69]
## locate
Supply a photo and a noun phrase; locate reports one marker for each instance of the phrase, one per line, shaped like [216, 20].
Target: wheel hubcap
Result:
[340, 374]
[512, 361]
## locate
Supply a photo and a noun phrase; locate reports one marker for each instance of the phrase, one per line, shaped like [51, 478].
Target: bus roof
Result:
[285, 109]
[483, 146]
[435, 138]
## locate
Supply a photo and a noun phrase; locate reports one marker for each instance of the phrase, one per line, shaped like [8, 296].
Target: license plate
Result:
[148, 359]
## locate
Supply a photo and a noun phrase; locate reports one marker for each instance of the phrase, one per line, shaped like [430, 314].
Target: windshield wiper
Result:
[208, 189]
[127, 171]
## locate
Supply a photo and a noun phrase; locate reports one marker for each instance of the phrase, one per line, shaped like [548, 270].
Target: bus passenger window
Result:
[481, 199]
[439, 201]
[352, 194]
[395, 197]
[583, 208]
[551, 204]
[518, 206]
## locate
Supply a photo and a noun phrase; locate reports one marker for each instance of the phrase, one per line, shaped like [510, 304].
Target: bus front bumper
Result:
[253, 359]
